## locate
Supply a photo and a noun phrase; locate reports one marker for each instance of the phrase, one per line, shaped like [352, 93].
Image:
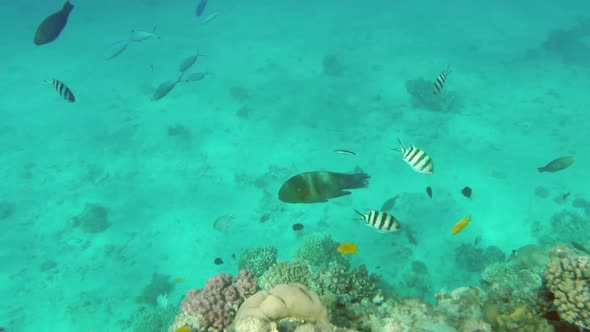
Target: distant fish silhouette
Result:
[201, 7]
[164, 89]
[429, 191]
[209, 18]
[196, 76]
[188, 62]
[52, 26]
[116, 49]
[138, 35]
[557, 164]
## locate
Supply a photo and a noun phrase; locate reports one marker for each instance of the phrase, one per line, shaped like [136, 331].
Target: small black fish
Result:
[201, 7]
[580, 247]
[297, 227]
[52, 26]
[467, 192]
[429, 191]
[62, 89]
[218, 261]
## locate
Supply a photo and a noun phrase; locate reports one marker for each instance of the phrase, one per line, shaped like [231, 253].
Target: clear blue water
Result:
[289, 82]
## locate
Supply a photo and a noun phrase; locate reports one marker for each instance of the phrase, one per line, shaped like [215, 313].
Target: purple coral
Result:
[215, 306]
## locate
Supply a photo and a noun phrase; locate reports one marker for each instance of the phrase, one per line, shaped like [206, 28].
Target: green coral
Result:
[318, 250]
[285, 273]
[258, 260]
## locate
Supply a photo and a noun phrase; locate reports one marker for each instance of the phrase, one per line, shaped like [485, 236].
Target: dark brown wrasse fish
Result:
[557, 164]
[52, 26]
[319, 187]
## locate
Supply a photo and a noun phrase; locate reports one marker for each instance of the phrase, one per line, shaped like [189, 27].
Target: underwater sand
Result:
[164, 192]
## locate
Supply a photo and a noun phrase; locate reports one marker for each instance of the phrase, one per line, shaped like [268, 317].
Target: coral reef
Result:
[93, 219]
[258, 260]
[474, 259]
[285, 273]
[159, 285]
[280, 306]
[318, 250]
[568, 278]
[214, 307]
[348, 286]
[569, 44]
[421, 95]
[564, 226]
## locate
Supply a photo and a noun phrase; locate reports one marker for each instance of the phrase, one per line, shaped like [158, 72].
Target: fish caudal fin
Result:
[354, 181]
[542, 169]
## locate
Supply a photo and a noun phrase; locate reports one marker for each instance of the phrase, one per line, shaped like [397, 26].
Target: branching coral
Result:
[214, 307]
[568, 278]
[286, 273]
[318, 250]
[258, 260]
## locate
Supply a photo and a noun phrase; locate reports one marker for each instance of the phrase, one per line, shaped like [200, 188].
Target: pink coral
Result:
[214, 307]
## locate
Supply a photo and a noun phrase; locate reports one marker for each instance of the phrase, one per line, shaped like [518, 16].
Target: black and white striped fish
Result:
[382, 221]
[419, 160]
[62, 89]
[439, 83]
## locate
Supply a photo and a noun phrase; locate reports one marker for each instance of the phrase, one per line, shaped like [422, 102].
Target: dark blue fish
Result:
[201, 7]
[52, 26]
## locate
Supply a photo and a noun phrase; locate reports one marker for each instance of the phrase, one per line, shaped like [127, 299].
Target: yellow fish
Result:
[460, 225]
[183, 329]
[178, 280]
[347, 248]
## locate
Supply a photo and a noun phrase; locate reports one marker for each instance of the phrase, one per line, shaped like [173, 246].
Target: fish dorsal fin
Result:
[363, 216]
[402, 148]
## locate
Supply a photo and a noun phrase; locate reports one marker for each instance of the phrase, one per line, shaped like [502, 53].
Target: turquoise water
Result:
[288, 83]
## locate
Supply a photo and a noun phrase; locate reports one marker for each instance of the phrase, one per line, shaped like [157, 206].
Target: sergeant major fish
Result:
[320, 186]
[62, 89]
[52, 25]
[382, 221]
[419, 160]
[439, 83]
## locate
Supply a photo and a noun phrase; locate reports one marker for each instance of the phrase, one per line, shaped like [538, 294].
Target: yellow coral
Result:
[567, 278]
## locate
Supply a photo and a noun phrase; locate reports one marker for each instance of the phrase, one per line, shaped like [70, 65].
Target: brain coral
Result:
[568, 278]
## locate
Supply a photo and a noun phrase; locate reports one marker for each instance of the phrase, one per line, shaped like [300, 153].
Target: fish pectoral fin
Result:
[341, 193]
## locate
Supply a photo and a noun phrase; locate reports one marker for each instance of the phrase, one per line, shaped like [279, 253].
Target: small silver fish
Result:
[138, 36]
[164, 89]
[439, 83]
[196, 76]
[346, 152]
[62, 89]
[187, 63]
[222, 223]
[116, 49]
[419, 160]
[382, 221]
